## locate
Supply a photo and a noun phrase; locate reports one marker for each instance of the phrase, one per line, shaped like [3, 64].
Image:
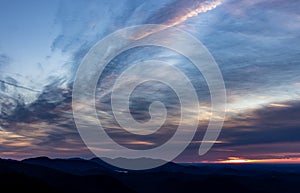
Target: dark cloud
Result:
[266, 125]
[45, 127]
[268, 132]
[265, 133]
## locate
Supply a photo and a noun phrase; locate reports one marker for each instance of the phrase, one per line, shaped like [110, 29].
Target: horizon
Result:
[230, 161]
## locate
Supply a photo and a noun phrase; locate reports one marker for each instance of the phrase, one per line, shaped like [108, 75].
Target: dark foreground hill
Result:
[89, 176]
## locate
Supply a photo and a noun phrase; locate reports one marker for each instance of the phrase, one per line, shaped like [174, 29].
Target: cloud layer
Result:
[255, 44]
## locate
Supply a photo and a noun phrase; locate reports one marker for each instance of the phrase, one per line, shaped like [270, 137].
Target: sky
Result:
[254, 42]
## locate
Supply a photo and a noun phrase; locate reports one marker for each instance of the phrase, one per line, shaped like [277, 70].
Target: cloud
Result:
[255, 49]
[270, 124]
[268, 132]
[42, 128]
[4, 60]
[256, 44]
[176, 13]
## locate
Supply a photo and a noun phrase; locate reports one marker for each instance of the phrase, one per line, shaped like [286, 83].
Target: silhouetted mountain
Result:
[46, 179]
[73, 166]
[77, 175]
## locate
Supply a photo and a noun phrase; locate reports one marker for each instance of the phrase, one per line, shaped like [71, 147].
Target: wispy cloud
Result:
[176, 13]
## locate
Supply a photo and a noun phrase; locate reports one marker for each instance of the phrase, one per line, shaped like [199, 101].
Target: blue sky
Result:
[254, 42]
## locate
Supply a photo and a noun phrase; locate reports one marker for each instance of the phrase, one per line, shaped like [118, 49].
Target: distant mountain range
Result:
[78, 175]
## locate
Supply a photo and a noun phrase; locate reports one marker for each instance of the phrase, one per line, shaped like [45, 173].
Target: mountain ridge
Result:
[77, 175]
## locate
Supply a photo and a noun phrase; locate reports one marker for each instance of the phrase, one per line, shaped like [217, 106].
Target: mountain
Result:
[21, 176]
[78, 175]
[73, 166]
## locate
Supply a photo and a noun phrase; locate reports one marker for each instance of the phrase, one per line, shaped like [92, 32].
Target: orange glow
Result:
[65, 149]
[139, 143]
[279, 105]
[282, 160]
[236, 160]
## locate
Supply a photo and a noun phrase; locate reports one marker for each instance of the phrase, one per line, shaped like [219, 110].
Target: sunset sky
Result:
[256, 44]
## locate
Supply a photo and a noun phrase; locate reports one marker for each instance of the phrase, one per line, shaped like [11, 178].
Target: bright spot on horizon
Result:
[235, 160]
[238, 160]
